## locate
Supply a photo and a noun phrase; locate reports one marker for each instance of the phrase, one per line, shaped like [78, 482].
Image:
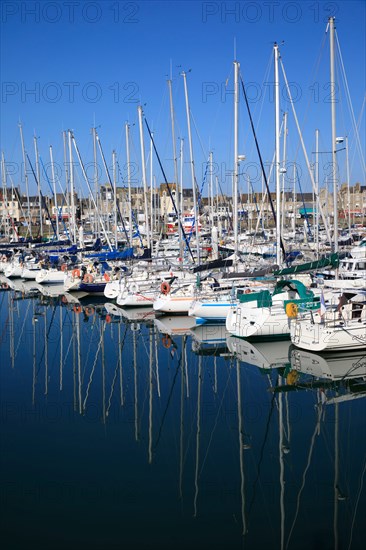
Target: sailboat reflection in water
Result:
[220, 427]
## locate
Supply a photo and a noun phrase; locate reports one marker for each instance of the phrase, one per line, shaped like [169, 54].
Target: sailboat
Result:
[341, 327]
[265, 315]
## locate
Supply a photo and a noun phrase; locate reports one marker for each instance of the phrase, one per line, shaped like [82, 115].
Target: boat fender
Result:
[291, 310]
[165, 288]
[106, 277]
[292, 377]
[166, 341]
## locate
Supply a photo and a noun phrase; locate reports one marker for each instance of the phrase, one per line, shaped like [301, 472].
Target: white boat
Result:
[334, 366]
[176, 300]
[137, 295]
[351, 274]
[175, 325]
[262, 315]
[213, 309]
[359, 251]
[30, 270]
[264, 355]
[340, 328]
[51, 276]
[113, 288]
[131, 314]
[14, 268]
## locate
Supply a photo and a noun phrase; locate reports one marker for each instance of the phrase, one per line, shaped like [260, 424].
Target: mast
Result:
[96, 215]
[151, 185]
[5, 197]
[236, 160]
[144, 181]
[175, 168]
[54, 192]
[38, 184]
[334, 142]
[348, 184]
[115, 198]
[127, 129]
[193, 177]
[317, 192]
[180, 189]
[283, 169]
[26, 179]
[67, 179]
[72, 198]
[277, 155]
[88, 185]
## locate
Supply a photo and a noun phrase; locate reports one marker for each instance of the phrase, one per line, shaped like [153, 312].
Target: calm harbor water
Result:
[122, 432]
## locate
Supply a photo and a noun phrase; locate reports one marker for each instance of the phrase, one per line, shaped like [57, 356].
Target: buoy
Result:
[64, 299]
[108, 318]
[64, 267]
[77, 309]
[291, 310]
[89, 311]
[166, 341]
[88, 278]
[292, 376]
[247, 291]
[165, 287]
[76, 273]
[106, 277]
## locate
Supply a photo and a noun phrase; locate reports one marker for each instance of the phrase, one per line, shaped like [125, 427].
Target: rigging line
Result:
[22, 329]
[357, 338]
[112, 187]
[356, 505]
[43, 202]
[350, 103]
[169, 190]
[199, 137]
[262, 451]
[261, 163]
[47, 334]
[168, 402]
[316, 432]
[314, 187]
[315, 93]
[130, 203]
[112, 388]
[214, 427]
[93, 368]
[359, 364]
[264, 83]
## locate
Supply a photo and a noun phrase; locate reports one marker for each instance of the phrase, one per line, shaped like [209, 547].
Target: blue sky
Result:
[75, 64]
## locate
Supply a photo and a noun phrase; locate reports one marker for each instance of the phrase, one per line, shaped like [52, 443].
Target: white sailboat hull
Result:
[325, 337]
[265, 322]
[50, 277]
[210, 310]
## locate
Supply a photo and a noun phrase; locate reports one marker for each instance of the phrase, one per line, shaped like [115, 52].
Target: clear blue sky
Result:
[72, 64]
